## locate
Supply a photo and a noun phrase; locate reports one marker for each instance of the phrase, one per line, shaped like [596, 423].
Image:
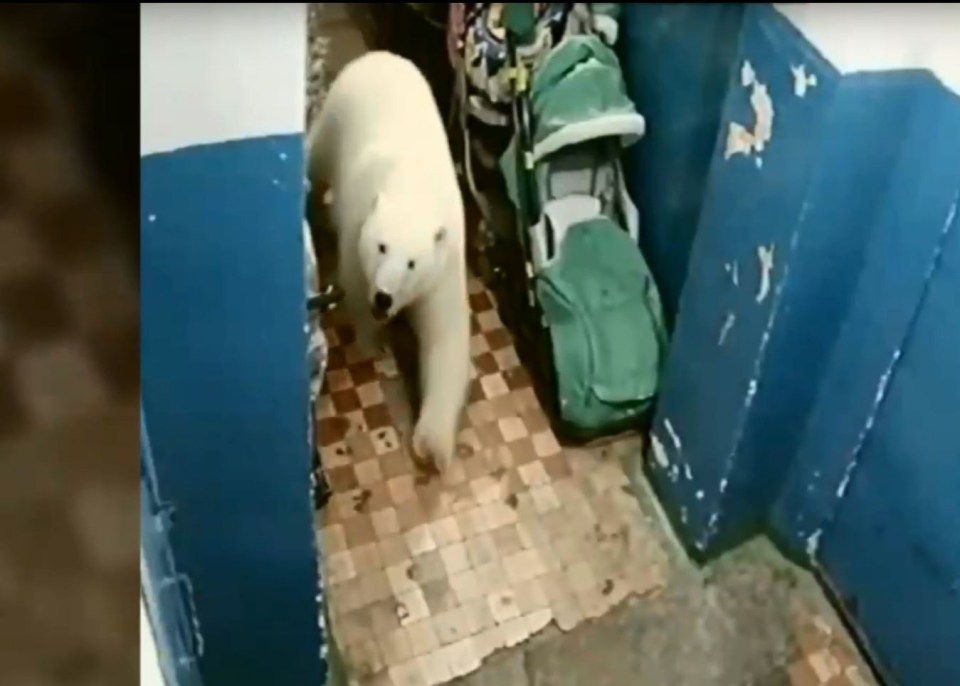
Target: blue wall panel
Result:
[225, 396]
[893, 550]
[677, 61]
[732, 331]
[906, 228]
[824, 412]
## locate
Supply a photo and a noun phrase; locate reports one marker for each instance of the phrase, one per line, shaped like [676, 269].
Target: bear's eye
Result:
[411, 264]
[383, 248]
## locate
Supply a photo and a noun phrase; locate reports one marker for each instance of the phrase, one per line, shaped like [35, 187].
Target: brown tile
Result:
[480, 412]
[376, 588]
[359, 445]
[480, 302]
[410, 514]
[393, 550]
[498, 338]
[331, 430]
[395, 463]
[485, 364]
[342, 478]
[557, 466]
[367, 558]
[338, 380]
[525, 399]
[503, 406]
[363, 658]
[523, 451]
[517, 378]
[345, 401]
[377, 417]
[379, 498]
[474, 468]
[359, 531]
[363, 372]
[383, 616]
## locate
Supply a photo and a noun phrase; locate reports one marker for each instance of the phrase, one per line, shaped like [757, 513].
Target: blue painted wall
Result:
[677, 61]
[821, 412]
[224, 382]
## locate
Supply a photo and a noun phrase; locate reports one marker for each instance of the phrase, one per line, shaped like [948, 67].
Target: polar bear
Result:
[379, 145]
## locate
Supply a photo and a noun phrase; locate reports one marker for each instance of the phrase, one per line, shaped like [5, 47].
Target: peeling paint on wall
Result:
[659, 453]
[765, 255]
[727, 325]
[741, 140]
[673, 435]
[733, 270]
[802, 81]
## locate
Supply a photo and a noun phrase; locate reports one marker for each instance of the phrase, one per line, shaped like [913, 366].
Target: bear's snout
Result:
[382, 302]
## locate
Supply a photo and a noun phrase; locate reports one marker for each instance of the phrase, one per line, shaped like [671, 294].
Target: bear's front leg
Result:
[356, 304]
[443, 330]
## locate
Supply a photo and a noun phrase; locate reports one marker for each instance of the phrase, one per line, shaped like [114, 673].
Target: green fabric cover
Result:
[577, 94]
[606, 326]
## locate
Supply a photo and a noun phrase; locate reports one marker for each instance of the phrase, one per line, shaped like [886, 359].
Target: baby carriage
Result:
[587, 316]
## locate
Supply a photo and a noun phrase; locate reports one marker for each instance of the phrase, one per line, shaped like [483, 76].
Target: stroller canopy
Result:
[577, 95]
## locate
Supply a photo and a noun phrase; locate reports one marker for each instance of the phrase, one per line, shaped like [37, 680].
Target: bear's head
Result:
[404, 251]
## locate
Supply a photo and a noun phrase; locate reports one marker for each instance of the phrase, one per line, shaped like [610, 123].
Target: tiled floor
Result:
[428, 574]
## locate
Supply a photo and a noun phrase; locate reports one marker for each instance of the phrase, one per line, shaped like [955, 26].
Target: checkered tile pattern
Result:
[827, 656]
[428, 574]
[69, 379]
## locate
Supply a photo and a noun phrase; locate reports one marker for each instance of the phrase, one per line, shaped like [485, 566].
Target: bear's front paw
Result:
[434, 444]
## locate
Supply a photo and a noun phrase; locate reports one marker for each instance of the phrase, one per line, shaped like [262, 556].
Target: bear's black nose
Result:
[382, 302]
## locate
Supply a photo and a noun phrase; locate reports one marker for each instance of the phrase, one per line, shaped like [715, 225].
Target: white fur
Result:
[379, 144]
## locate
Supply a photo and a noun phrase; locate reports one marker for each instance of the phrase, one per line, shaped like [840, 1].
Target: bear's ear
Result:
[441, 235]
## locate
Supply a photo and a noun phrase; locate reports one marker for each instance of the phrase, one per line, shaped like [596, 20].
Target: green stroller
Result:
[588, 320]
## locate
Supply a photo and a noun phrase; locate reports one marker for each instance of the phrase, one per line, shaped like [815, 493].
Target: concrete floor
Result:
[748, 619]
